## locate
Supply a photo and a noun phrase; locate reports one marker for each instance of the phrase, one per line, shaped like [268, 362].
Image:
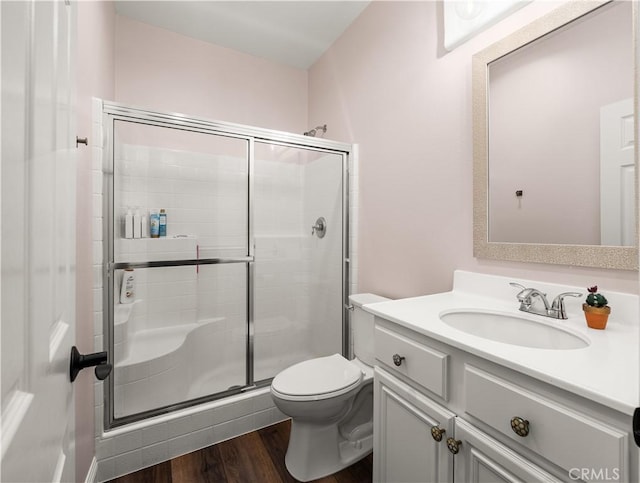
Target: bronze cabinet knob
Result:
[397, 359]
[437, 433]
[454, 445]
[520, 426]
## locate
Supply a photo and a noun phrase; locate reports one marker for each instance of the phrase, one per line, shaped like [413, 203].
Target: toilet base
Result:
[316, 451]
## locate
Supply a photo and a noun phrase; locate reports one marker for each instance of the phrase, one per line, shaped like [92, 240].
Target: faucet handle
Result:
[517, 285]
[525, 293]
[558, 303]
[523, 296]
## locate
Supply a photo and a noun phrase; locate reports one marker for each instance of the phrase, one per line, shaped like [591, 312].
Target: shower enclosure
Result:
[244, 283]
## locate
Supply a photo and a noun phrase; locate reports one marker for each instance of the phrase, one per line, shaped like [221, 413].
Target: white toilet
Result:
[330, 401]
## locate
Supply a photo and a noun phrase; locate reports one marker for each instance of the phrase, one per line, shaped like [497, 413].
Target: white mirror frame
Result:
[578, 255]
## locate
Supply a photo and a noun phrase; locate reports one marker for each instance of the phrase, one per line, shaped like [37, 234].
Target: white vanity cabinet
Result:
[504, 425]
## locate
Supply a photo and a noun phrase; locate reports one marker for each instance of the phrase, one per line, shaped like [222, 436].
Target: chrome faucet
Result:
[527, 303]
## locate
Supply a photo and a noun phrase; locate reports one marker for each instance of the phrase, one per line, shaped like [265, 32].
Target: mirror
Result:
[555, 152]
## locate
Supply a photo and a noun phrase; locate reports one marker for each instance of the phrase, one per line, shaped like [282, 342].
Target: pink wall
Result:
[95, 67]
[159, 69]
[388, 85]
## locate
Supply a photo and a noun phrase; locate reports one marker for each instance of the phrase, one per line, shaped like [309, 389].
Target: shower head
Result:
[314, 131]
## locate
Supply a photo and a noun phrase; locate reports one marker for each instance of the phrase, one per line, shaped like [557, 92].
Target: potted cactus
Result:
[596, 310]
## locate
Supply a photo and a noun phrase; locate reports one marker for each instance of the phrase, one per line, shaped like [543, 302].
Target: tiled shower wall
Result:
[204, 194]
[323, 198]
[205, 201]
[287, 254]
[281, 270]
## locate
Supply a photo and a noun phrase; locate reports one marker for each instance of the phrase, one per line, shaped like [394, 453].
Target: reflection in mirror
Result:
[560, 114]
[554, 115]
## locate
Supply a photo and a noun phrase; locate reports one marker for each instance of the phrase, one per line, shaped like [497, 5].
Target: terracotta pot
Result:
[596, 316]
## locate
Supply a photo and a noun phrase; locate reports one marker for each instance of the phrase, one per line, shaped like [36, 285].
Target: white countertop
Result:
[607, 371]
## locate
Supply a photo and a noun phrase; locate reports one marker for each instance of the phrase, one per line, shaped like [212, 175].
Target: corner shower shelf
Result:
[165, 248]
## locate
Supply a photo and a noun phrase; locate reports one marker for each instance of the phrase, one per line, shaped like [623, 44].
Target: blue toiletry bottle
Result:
[154, 222]
[163, 223]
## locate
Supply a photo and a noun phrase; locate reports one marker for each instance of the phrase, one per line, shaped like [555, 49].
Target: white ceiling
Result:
[295, 33]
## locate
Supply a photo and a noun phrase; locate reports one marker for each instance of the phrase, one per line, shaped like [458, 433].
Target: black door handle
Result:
[81, 361]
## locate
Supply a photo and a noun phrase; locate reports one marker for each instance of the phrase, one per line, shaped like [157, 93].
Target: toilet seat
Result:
[320, 378]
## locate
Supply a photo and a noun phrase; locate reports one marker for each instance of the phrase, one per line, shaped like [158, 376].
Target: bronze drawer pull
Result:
[520, 426]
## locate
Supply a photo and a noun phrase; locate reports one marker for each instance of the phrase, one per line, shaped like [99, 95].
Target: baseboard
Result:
[93, 471]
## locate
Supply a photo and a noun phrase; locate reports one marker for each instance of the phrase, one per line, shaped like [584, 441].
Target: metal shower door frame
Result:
[113, 112]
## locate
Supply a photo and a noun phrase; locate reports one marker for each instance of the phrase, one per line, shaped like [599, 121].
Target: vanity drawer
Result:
[422, 364]
[561, 435]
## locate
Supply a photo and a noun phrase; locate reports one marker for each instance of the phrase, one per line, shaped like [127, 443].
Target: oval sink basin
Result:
[511, 329]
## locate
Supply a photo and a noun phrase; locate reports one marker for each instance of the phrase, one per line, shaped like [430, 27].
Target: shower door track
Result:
[117, 112]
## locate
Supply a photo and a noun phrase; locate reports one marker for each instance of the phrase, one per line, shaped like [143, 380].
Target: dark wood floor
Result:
[254, 457]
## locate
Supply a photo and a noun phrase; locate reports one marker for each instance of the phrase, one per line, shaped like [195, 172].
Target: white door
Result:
[617, 176]
[38, 240]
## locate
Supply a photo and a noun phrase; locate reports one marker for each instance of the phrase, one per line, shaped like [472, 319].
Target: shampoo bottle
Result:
[128, 224]
[144, 222]
[163, 223]
[127, 289]
[137, 226]
[154, 224]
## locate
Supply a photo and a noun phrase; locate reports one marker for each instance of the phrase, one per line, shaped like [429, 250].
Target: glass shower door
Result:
[180, 228]
[298, 269]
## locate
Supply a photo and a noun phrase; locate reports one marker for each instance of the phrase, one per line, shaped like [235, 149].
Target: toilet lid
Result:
[318, 376]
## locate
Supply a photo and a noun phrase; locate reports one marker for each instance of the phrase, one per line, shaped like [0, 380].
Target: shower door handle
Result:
[82, 361]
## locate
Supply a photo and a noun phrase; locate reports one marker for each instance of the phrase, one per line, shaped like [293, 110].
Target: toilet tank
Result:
[362, 326]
